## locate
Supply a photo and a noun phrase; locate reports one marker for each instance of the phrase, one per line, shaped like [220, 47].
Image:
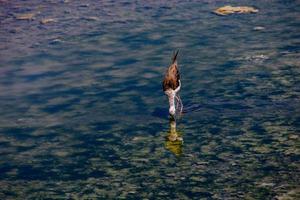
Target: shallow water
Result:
[83, 115]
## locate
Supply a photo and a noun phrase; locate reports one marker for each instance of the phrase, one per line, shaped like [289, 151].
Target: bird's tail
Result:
[174, 59]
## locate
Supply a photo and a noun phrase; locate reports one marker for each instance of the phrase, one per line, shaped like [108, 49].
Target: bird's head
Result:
[172, 110]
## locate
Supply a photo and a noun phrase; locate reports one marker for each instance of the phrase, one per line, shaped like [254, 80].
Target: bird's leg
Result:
[179, 103]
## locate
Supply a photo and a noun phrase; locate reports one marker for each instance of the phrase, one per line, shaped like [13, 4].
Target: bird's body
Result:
[172, 84]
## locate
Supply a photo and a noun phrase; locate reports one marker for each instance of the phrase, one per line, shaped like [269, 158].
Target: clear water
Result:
[83, 115]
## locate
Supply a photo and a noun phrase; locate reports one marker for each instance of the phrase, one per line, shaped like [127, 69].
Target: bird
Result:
[171, 85]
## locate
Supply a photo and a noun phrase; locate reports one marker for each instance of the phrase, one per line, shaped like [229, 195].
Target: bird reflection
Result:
[174, 141]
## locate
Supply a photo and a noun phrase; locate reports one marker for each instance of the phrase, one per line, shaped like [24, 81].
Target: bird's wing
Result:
[172, 77]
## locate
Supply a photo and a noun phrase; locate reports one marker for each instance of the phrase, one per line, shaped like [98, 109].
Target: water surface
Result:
[83, 115]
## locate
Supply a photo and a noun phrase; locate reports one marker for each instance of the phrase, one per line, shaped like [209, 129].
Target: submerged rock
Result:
[84, 5]
[55, 41]
[226, 10]
[259, 28]
[26, 16]
[91, 18]
[47, 20]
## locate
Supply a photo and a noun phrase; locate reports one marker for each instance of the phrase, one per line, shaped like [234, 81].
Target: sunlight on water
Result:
[83, 114]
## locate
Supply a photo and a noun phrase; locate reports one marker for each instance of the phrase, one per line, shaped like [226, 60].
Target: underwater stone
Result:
[48, 20]
[92, 18]
[226, 10]
[26, 16]
[259, 28]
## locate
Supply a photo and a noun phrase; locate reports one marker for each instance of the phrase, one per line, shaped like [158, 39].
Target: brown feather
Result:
[172, 76]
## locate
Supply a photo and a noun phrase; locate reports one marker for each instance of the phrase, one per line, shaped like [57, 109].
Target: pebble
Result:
[84, 5]
[259, 28]
[226, 10]
[56, 41]
[47, 20]
[92, 18]
[26, 16]
[267, 184]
